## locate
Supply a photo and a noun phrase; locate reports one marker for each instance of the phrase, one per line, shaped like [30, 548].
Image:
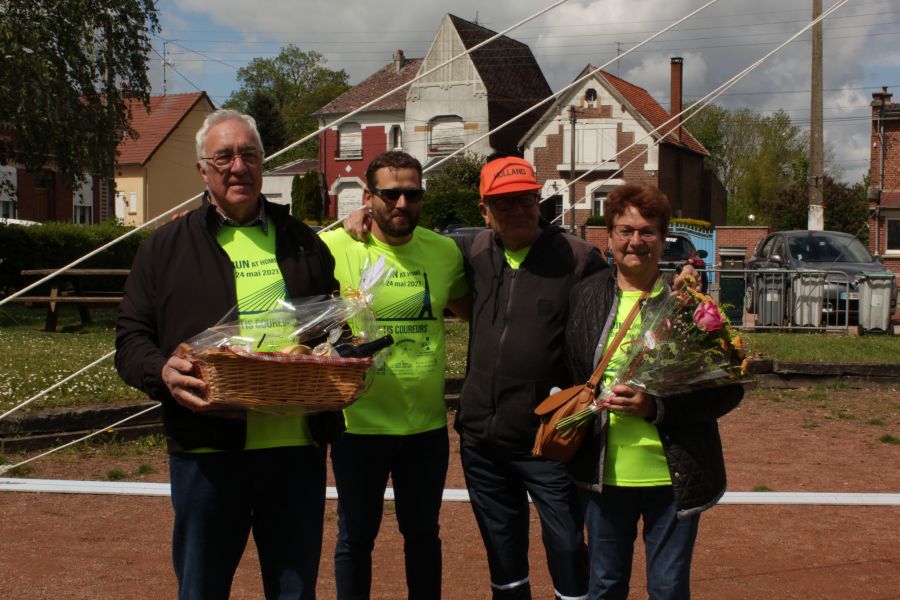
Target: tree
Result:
[453, 193]
[67, 72]
[754, 155]
[299, 84]
[268, 121]
[846, 207]
[306, 197]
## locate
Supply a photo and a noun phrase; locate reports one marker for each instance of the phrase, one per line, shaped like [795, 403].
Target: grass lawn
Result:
[31, 360]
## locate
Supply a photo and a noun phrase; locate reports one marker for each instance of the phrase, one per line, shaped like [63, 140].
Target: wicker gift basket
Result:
[245, 363]
[270, 380]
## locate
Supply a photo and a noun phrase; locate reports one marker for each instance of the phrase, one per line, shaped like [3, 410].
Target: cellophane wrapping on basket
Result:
[280, 360]
[685, 343]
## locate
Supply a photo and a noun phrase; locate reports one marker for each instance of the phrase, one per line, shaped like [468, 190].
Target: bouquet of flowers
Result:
[685, 343]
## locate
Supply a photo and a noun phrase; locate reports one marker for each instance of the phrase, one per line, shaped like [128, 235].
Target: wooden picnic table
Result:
[83, 299]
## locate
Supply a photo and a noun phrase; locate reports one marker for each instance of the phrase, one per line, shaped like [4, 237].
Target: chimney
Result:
[399, 60]
[675, 95]
[879, 99]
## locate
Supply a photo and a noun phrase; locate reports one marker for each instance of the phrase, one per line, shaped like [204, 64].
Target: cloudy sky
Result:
[206, 42]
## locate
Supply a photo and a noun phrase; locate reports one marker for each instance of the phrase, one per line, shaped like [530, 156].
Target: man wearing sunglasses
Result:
[398, 428]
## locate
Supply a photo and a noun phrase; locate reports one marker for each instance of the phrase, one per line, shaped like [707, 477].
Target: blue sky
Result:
[206, 42]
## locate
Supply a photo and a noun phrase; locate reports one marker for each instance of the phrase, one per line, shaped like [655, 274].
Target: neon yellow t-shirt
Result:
[515, 258]
[407, 393]
[259, 286]
[634, 454]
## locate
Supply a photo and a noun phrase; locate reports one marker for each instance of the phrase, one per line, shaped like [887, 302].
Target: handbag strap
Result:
[620, 334]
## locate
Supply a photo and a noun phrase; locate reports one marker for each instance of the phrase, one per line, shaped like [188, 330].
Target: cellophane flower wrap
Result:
[685, 343]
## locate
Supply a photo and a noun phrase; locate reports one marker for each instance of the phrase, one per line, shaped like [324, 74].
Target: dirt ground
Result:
[112, 547]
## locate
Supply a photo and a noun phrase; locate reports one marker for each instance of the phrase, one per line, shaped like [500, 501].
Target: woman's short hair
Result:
[647, 199]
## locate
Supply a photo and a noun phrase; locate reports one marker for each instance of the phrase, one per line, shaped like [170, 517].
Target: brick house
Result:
[44, 195]
[884, 174]
[157, 171]
[436, 115]
[610, 114]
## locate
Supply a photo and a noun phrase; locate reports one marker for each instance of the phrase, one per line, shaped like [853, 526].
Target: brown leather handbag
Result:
[549, 441]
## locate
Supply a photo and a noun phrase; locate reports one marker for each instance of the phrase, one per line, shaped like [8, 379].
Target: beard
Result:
[396, 223]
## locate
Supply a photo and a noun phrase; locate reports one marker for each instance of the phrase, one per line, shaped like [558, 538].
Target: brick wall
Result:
[747, 237]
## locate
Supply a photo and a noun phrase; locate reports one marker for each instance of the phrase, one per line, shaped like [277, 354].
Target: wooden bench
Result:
[78, 296]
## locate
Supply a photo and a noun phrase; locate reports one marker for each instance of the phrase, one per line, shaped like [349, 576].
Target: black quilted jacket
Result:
[686, 423]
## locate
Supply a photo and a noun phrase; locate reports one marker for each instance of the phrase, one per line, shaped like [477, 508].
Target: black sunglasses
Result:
[412, 195]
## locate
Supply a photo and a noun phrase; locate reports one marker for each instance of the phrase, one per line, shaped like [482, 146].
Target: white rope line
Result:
[5, 468]
[695, 108]
[109, 244]
[420, 76]
[56, 385]
[553, 95]
[285, 149]
[574, 83]
[140, 488]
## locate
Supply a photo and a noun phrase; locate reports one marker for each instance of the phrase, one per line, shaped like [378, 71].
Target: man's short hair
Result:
[647, 199]
[393, 159]
[216, 117]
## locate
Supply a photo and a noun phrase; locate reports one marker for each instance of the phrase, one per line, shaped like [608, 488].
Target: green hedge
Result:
[51, 245]
[596, 221]
[697, 223]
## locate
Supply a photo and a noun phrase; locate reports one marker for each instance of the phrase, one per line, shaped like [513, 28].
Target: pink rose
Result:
[707, 317]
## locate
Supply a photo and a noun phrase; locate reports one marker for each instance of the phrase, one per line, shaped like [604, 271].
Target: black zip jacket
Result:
[686, 423]
[181, 283]
[516, 332]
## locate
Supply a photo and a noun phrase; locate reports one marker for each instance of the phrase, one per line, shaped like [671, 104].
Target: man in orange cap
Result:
[520, 274]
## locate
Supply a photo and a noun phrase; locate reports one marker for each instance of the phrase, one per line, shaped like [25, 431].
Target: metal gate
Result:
[702, 239]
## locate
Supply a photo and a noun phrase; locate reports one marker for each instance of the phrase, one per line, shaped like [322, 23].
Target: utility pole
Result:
[816, 215]
[165, 42]
[573, 118]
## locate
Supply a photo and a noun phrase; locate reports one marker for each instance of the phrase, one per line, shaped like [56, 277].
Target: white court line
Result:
[132, 488]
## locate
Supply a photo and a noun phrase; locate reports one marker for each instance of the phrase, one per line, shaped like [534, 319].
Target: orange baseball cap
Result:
[507, 175]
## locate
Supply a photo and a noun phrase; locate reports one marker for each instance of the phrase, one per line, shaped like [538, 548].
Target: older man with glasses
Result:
[247, 471]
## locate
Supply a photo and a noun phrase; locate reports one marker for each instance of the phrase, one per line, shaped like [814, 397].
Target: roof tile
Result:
[384, 80]
[153, 127]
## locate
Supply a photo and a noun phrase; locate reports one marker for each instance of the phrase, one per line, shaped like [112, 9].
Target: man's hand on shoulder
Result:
[177, 375]
[358, 223]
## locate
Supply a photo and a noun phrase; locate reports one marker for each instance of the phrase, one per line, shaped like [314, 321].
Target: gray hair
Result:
[216, 117]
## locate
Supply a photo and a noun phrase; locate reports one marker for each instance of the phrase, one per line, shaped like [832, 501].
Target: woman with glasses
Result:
[649, 458]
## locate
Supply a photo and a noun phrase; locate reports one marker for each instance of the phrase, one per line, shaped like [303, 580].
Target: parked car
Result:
[680, 251]
[462, 232]
[840, 255]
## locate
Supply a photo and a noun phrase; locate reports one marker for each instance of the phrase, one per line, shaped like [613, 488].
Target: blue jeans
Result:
[611, 518]
[417, 465]
[219, 497]
[499, 483]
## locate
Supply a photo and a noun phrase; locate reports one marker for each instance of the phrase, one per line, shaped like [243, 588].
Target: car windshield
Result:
[676, 247]
[828, 249]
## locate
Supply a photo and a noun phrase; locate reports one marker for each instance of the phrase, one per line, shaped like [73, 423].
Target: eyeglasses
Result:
[250, 156]
[507, 203]
[648, 234]
[412, 195]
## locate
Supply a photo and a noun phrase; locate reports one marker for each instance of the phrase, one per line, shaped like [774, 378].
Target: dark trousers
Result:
[611, 518]
[417, 465]
[220, 497]
[499, 483]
